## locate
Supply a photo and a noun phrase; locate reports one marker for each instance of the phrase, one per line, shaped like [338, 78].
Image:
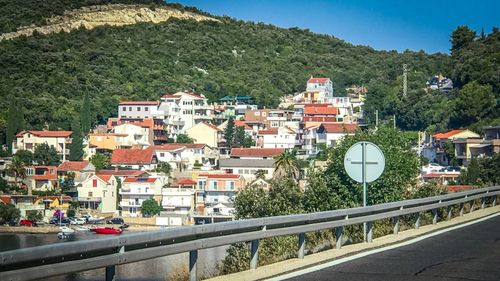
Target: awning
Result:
[481, 145]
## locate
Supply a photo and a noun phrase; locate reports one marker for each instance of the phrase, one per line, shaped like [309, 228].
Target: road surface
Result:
[468, 253]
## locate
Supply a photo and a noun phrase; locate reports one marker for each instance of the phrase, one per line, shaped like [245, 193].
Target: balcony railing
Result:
[136, 192]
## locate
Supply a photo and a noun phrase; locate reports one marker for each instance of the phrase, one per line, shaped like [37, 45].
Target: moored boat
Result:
[106, 230]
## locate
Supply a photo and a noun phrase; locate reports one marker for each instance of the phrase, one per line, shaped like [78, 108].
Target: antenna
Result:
[405, 78]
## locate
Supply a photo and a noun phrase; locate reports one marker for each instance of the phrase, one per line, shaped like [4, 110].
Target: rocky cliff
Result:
[109, 15]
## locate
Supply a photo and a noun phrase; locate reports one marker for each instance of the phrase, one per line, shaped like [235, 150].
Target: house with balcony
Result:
[41, 178]
[134, 191]
[282, 137]
[181, 197]
[331, 133]
[319, 113]
[27, 140]
[99, 192]
[220, 190]
[79, 170]
[184, 110]
[137, 159]
[152, 128]
[107, 142]
[182, 156]
[137, 135]
[440, 140]
[310, 140]
[492, 135]
[205, 133]
[247, 161]
[318, 90]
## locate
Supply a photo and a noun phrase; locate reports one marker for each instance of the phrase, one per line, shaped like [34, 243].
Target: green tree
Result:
[100, 161]
[18, 167]
[9, 212]
[34, 216]
[473, 103]
[163, 167]
[150, 208]
[76, 146]
[24, 156]
[46, 155]
[183, 138]
[15, 121]
[85, 115]
[117, 192]
[471, 175]
[229, 133]
[461, 37]
[287, 165]
[260, 174]
[490, 169]
[242, 139]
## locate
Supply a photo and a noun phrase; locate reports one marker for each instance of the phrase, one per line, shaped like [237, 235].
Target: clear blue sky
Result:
[383, 25]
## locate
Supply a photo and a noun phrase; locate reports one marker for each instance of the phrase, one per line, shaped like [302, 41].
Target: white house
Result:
[98, 192]
[140, 110]
[180, 198]
[331, 133]
[132, 135]
[184, 110]
[138, 159]
[247, 161]
[135, 191]
[283, 137]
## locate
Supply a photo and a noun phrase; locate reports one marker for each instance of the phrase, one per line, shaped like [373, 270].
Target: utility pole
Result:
[376, 118]
[394, 121]
[405, 78]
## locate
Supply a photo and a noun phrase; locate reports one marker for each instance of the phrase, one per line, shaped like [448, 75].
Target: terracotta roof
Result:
[212, 126]
[73, 166]
[5, 199]
[140, 180]
[104, 177]
[194, 145]
[441, 175]
[317, 80]
[47, 134]
[240, 123]
[447, 134]
[169, 96]
[132, 156]
[169, 146]
[306, 105]
[319, 119]
[256, 152]
[269, 132]
[129, 173]
[183, 182]
[220, 176]
[339, 127]
[316, 110]
[139, 103]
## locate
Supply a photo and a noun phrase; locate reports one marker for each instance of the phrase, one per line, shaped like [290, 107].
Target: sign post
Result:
[364, 162]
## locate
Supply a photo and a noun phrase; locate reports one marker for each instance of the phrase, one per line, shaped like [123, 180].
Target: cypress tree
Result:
[76, 146]
[229, 133]
[85, 117]
[15, 122]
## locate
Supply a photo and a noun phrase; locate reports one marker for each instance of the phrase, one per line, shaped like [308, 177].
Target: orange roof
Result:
[240, 123]
[5, 199]
[256, 152]
[104, 177]
[139, 103]
[212, 126]
[441, 175]
[73, 166]
[447, 134]
[140, 180]
[132, 156]
[220, 176]
[317, 80]
[169, 96]
[128, 173]
[269, 132]
[185, 181]
[320, 110]
[339, 127]
[47, 134]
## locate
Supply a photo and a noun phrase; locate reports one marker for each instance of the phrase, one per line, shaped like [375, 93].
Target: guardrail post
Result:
[417, 222]
[472, 206]
[369, 232]
[434, 216]
[494, 201]
[461, 209]
[483, 202]
[338, 236]
[110, 272]
[396, 225]
[302, 245]
[193, 260]
[449, 212]
[254, 258]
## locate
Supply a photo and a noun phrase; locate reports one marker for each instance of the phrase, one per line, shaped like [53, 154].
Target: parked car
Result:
[56, 221]
[115, 221]
[27, 222]
[432, 167]
[77, 221]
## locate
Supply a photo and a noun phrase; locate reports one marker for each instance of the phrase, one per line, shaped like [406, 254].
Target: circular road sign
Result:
[373, 161]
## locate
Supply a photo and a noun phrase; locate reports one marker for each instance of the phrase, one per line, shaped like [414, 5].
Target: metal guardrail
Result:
[56, 259]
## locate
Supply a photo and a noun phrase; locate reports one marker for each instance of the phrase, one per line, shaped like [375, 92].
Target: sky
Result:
[384, 25]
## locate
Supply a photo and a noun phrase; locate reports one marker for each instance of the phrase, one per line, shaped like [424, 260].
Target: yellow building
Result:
[205, 133]
[27, 140]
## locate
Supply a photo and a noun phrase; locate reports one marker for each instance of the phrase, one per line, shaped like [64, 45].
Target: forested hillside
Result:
[50, 74]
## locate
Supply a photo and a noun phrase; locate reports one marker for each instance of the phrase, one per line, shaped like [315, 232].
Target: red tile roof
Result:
[319, 119]
[47, 134]
[339, 127]
[169, 96]
[73, 166]
[269, 132]
[184, 182]
[447, 134]
[128, 173]
[104, 177]
[140, 180]
[220, 176]
[256, 152]
[441, 175]
[169, 146]
[240, 123]
[194, 145]
[132, 156]
[317, 80]
[320, 110]
[139, 103]
[5, 199]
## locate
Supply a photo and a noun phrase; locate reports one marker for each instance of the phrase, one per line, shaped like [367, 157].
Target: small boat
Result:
[65, 233]
[106, 230]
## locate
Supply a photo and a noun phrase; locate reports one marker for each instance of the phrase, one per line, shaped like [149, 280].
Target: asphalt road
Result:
[468, 253]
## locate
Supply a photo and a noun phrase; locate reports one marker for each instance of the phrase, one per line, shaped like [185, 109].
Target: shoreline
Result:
[55, 229]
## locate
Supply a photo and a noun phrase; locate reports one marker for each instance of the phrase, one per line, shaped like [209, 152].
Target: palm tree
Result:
[18, 167]
[260, 174]
[287, 165]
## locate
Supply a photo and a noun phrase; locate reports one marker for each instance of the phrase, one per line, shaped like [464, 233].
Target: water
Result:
[172, 267]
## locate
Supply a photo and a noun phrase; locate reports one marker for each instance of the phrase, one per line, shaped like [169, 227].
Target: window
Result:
[124, 108]
[264, 114]
[94, 183]
[146, 108]
[229, 185]
[257, 113]
[201, 184]
[213, 185]
[138, 108]
[240, 171]
[90, 194]
[104, 193]
[129, 108]
[162, 154]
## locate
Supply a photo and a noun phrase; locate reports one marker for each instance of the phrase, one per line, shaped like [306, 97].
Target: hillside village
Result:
[176, 152]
